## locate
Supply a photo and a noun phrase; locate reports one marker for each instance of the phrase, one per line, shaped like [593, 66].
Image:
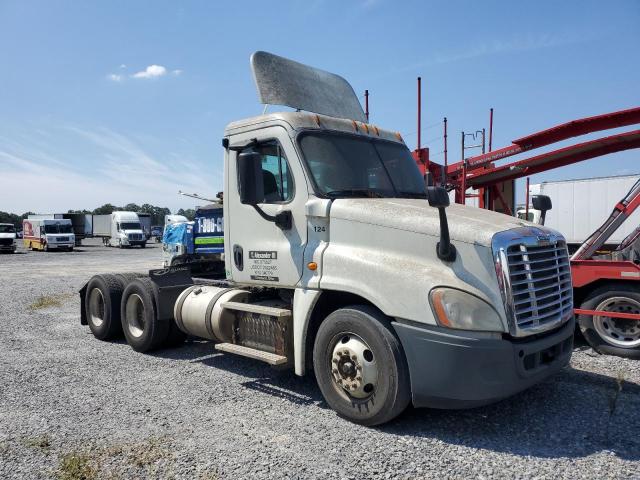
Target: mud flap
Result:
[83, 310]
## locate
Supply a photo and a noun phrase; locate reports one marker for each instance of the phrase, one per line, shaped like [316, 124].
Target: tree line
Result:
[157, 213]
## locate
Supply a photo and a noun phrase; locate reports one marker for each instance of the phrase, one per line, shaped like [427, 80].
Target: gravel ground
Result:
[72, 405]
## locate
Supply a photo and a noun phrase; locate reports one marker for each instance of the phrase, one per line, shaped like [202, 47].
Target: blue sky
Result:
[126, 101]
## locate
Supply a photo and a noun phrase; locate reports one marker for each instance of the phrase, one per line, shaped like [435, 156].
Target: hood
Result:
[466, 224]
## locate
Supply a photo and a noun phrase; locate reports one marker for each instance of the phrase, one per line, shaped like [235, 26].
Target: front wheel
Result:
[610, 335]
[360, 366]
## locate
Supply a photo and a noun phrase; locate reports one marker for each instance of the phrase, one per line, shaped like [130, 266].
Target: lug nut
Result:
[335, 360]
[334, 370]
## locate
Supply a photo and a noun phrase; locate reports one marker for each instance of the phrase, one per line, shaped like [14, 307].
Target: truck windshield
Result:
[350, 166]
[57, 228]
[130, 226]
[7, 229]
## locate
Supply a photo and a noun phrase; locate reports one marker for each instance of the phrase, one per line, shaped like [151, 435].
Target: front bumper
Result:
[8, 248]
[449, 370]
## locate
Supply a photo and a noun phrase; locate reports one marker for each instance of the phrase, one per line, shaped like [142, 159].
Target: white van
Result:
[48, 233]
[7, 237]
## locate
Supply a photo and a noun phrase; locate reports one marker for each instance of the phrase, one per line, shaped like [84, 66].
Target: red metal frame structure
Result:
[480, 172]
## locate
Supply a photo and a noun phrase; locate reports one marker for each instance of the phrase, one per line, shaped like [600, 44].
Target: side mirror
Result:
[542, 203]
[439, 198]
[250, 177]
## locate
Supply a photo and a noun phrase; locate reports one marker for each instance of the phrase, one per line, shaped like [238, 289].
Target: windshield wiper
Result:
[355, 192]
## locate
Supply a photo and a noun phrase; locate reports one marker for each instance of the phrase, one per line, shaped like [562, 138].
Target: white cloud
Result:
[114, 77]
[110, 167]
[177, 72]
[152, 71]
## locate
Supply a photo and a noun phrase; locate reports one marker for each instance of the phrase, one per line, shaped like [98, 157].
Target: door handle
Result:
[238, 257]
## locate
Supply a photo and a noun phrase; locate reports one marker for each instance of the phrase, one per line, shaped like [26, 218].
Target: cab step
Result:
[260, 309]
[268, 357]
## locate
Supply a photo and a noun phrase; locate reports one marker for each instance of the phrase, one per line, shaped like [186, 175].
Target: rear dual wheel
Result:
[360, 366]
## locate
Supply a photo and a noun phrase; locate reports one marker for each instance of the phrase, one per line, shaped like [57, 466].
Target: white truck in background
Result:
[7, 237]
[169, 219]
[580, 206]
[119, 229]
[339, 260]
[48, 234]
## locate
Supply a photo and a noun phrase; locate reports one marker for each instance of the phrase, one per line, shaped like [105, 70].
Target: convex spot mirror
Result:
[250, 177]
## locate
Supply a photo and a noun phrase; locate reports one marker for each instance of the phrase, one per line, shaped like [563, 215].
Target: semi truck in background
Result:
[119, 229]
[338, 259]
[581, 206]
[47, 234]
[7, 238]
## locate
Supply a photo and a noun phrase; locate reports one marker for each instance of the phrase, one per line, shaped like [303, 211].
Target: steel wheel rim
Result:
[619, 332]
[353, 367]
[96, 307]
[134, 311]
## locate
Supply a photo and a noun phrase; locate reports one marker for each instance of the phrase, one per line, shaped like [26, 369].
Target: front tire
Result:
[613, 336]
[360, 366]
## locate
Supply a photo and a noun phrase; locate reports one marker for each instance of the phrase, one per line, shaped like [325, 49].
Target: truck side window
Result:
[276, 176]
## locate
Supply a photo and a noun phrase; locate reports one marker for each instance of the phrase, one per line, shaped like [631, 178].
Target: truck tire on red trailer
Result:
[360, 366]
[102, 306]
[613, 336]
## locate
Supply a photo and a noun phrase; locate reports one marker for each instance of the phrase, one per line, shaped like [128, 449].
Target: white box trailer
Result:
[119, 229]
[101, 225]
[581, 206]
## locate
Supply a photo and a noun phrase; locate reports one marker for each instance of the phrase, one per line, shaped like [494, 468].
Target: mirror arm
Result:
[283, 220]
[445, 249]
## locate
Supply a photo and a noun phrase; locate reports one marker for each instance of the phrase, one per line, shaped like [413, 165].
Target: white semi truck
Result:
[339, 260]
[48, 234]
[7, 238]
[119, 229]
[580, 206]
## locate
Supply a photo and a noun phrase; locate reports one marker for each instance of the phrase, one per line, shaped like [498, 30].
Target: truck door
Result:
[260, 252]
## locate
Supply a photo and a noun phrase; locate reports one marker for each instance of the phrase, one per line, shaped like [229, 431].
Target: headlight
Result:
[457, 309]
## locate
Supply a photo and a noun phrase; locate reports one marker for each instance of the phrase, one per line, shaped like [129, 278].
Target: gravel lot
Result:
[71, 405]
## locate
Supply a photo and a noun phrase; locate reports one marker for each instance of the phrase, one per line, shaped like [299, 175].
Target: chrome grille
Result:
[535, 278]
[135, 236]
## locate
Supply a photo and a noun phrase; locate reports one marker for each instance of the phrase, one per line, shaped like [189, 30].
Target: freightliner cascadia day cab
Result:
[339, 260]
[119, 229]
[7, 238]
[48, 233]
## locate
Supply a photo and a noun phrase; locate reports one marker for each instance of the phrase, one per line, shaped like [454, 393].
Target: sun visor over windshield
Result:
[281, 81]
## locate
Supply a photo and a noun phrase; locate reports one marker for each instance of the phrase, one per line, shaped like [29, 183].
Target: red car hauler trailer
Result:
[606, 287]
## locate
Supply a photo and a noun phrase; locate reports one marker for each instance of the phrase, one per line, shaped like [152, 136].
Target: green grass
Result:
[40, 442]
[48, 301]
[76, 466]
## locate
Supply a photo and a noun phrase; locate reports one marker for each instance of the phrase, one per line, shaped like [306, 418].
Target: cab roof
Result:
[298, 121]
